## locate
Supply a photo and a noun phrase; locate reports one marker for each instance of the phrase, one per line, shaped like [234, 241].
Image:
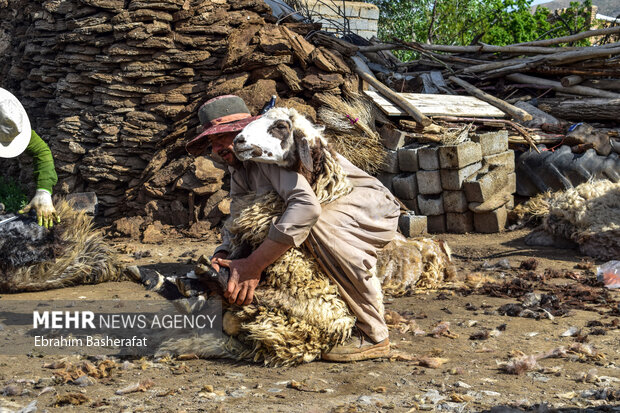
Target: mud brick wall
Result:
[114, 87]
[460, 188]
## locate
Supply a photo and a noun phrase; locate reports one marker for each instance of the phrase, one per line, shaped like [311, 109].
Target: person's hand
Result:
[43, 205]
[244, 277]
[216, 256]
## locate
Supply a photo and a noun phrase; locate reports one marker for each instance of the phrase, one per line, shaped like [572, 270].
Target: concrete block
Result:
[411, 225]
[459, 156]
[408, 158]
[386, 179]
[492, 142]
[430, 204]
[428, 158]
[351, 10]
[490, 222]
[436, 224]
[405, 186]
[84, 201]
[411, 204]
[512, 183]
[390, 163]
[392, 138]
[452, 179]
[429, 182]
[480, 187]
[358, 24]
[504, 159]
[460, 222]
[371, 13]
[454, 201]
[367, 34]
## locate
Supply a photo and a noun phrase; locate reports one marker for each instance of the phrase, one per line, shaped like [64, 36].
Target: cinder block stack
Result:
[489, 192]
[459, 188]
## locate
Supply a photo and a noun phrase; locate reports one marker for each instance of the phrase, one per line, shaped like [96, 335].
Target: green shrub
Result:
[12, 195]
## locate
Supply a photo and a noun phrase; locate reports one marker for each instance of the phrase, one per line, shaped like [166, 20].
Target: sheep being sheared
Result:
[298, 311]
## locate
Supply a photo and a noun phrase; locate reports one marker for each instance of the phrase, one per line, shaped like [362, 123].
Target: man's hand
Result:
[216, 256]
[42, 203]
[243, 280]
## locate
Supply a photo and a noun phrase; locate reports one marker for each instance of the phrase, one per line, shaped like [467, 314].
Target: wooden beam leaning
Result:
[513, 111]
[364, 72]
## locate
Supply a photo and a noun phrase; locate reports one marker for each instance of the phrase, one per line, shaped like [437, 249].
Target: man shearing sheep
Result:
[343, 235]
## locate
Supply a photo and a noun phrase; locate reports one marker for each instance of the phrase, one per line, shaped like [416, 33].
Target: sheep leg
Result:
[212, 278]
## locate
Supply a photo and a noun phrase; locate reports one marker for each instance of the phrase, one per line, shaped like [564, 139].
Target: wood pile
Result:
[568, 82]
[464, 179]
[114, 87]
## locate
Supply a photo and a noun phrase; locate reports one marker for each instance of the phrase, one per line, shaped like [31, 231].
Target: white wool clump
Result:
[592, 206]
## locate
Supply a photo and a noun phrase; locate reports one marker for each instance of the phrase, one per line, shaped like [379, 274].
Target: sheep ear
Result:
[303, 150]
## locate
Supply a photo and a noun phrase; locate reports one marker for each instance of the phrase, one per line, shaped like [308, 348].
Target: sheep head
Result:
[281, 136]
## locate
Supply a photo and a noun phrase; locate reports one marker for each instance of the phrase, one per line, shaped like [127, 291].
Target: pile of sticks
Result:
[568, 82]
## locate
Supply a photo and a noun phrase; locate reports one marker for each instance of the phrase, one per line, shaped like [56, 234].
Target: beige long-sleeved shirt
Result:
[344, 235]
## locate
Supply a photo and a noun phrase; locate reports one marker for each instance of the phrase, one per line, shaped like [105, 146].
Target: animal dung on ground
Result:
[443, 329]
[75, 399]
[142, 385]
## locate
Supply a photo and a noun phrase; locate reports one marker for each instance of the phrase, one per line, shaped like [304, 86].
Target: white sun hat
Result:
[15, 129]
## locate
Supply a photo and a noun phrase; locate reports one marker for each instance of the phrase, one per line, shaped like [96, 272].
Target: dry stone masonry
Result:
[114, 87]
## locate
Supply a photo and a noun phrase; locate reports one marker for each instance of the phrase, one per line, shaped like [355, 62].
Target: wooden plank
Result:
[438, 105]
[396, 99]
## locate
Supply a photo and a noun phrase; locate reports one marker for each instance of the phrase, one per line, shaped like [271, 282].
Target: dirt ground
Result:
[471, 379]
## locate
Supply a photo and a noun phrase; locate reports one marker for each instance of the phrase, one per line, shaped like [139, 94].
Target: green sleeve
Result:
[44, 172]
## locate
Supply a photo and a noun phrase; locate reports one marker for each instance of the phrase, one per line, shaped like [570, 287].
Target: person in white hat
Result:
[16, 137]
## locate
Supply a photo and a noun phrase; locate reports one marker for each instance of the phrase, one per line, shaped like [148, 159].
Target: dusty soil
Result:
[471, 379]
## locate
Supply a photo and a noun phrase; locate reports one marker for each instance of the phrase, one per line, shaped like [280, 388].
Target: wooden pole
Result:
[572, 38]
[607, 84]
[485, 48]
[557, 86]
[513, 111]
[572, 70]
[582, 109]
[571, 80]
[560, 58]
[364, 72]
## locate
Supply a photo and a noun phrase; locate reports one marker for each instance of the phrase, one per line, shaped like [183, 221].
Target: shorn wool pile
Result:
[33, 258]
[297, 312]
[588, 215]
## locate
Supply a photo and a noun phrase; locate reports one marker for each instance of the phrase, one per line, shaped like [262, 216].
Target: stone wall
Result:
[114, 87]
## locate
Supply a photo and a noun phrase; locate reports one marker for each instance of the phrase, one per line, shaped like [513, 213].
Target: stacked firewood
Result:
[114, 87]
